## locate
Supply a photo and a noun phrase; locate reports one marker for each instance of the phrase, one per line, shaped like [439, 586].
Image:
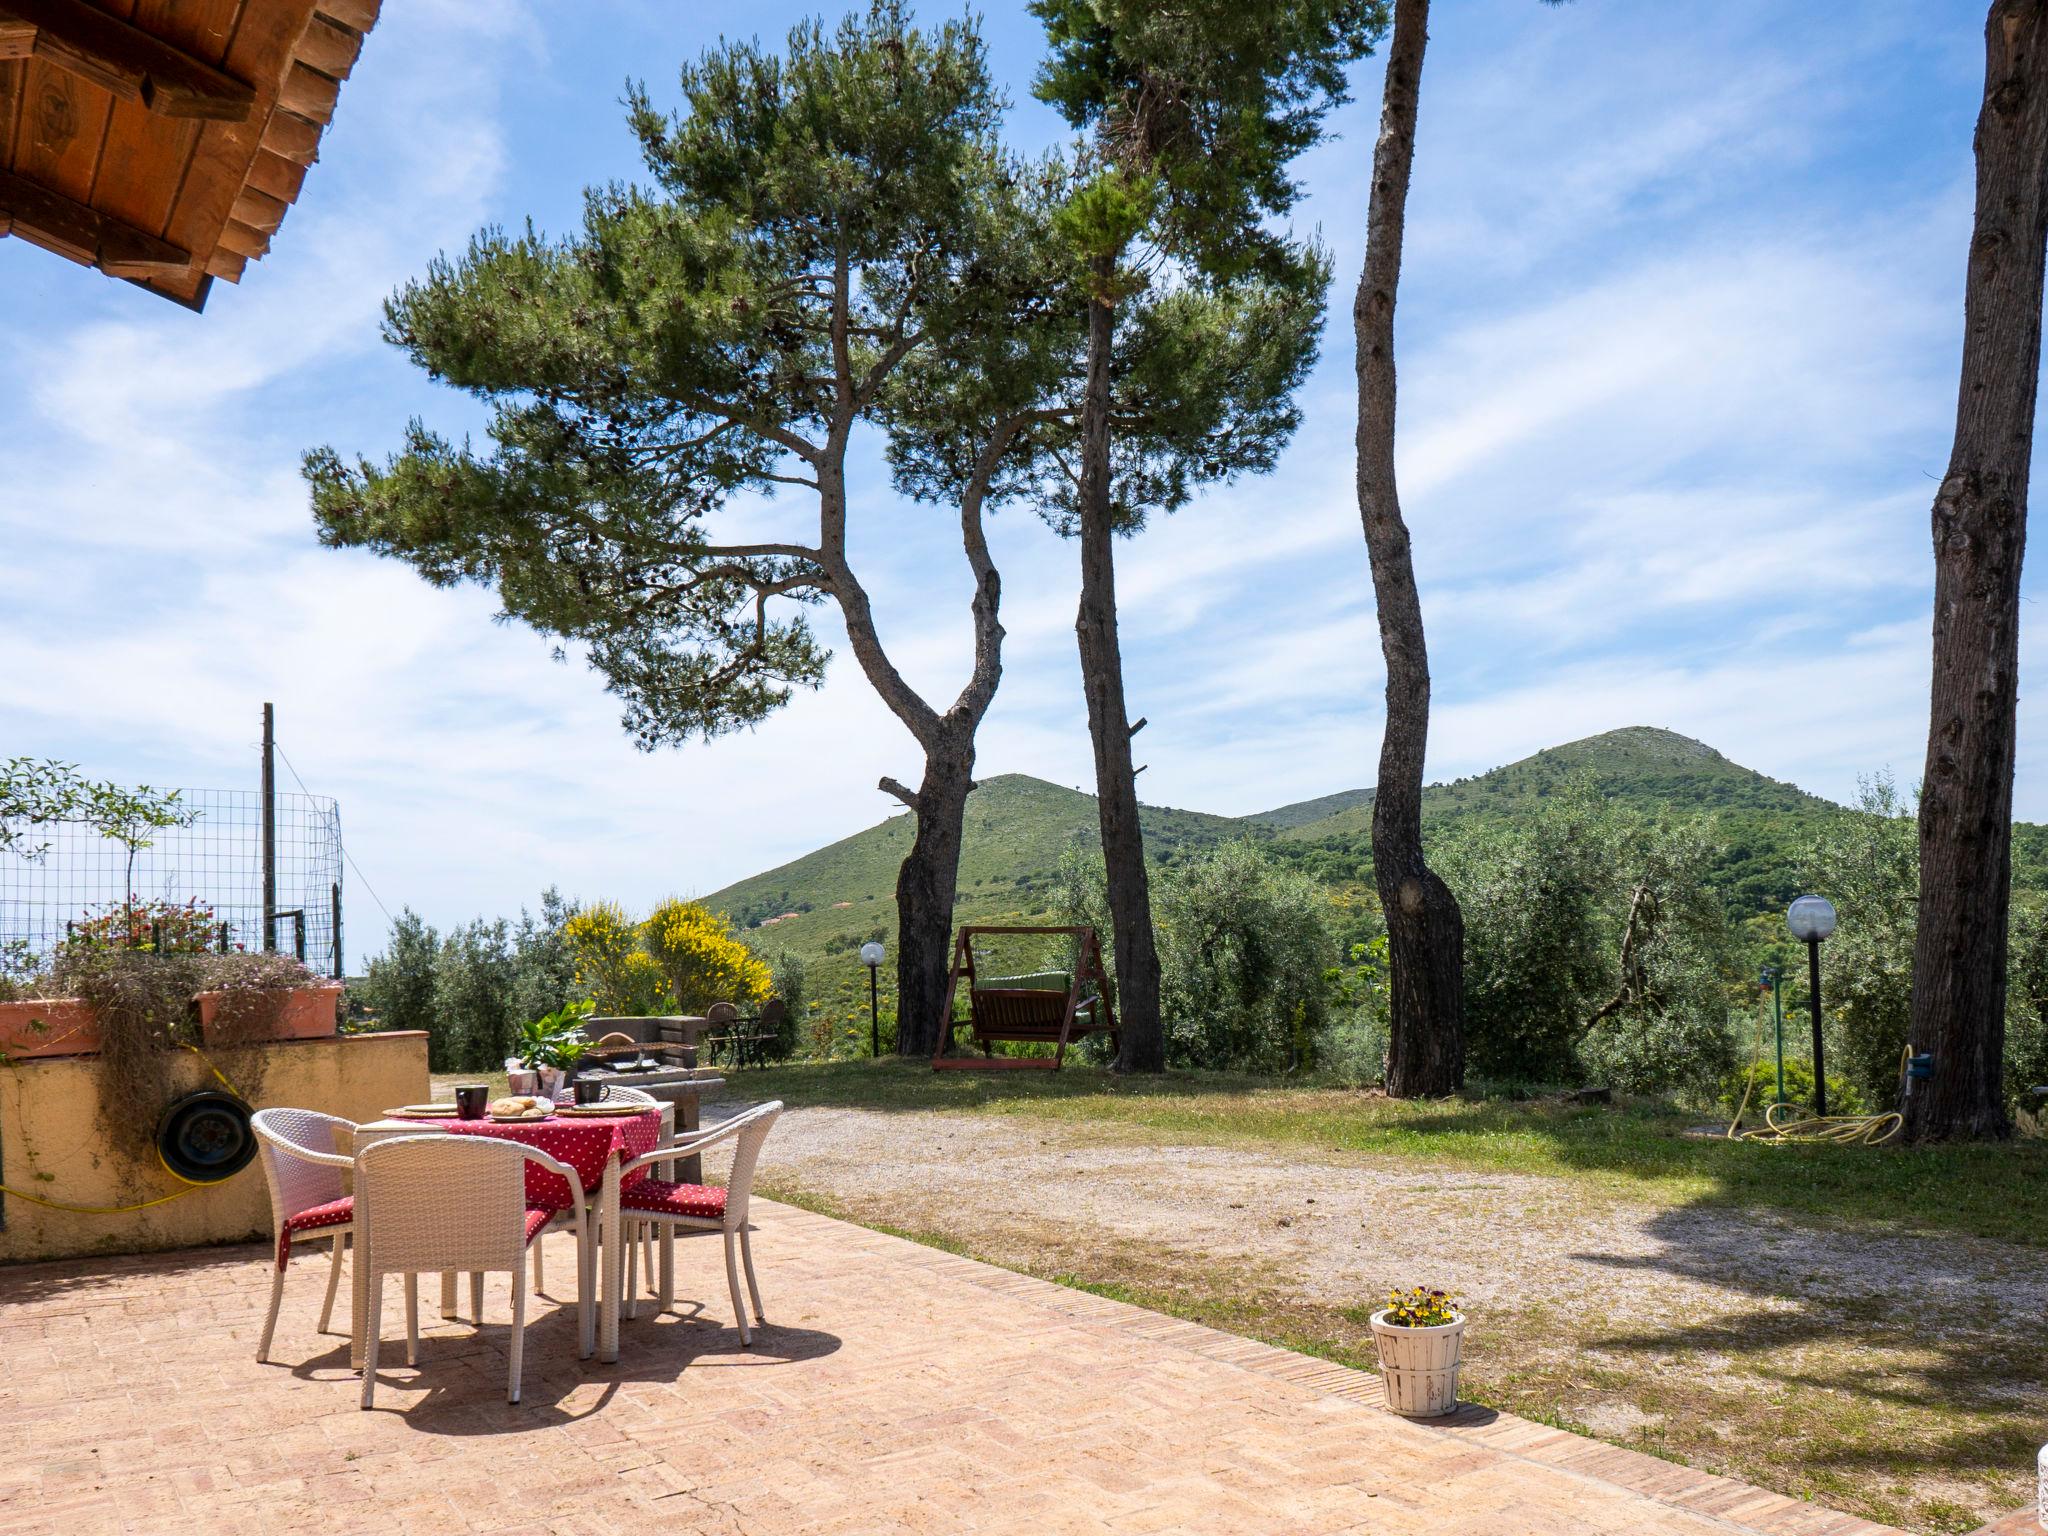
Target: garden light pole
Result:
[871, 957]
[1812, 919]
[1772, 980]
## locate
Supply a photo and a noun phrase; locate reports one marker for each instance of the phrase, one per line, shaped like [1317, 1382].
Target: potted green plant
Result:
[1420, 1336]
[552, 1044]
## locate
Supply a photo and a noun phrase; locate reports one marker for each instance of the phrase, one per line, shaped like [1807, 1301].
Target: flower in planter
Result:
[1419, 1308]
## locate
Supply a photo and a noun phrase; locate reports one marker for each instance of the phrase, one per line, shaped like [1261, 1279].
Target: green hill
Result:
[1763, 820]
[1303, 812]
[828, 902]
[1640, 762]
[823, 906]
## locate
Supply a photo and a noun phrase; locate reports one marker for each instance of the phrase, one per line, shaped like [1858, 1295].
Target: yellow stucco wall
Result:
[49, 1144]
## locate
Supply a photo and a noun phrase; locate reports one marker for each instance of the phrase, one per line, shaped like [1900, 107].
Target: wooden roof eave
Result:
[168, 154]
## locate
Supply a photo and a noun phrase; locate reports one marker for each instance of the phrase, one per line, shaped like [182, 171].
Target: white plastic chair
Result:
[690, 1210]
[308, 1196]
[444, 1203]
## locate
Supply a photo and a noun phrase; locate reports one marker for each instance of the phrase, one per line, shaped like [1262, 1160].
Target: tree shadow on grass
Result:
[1939, 1333]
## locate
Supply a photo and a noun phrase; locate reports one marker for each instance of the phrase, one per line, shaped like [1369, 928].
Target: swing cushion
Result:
[1026, 1013]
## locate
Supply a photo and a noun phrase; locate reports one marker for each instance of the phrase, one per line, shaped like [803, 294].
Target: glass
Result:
[470, 1100]
[1810, 917]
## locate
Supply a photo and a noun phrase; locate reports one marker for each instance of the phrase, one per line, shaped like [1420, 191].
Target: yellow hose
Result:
[190, 1188]
[1838, 1130]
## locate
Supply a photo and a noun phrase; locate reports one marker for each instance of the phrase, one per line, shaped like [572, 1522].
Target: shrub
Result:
[139, 924]
[702, 958]
[2026, 1011]
[1354, 1050]
[398, 985]
[1867, 861]
[789, 985]
[473, 1024]
[543, 964]
[1245, 952]
[1686, 1050]
[470, 990]
[1535, 955]
[1594, 945]
[1762, 1079]
[611, 965]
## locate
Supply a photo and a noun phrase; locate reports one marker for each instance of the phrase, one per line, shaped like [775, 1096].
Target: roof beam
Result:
[133, 64]
[56, 223]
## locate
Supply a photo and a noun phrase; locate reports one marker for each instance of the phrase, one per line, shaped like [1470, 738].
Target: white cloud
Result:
[1678, 338]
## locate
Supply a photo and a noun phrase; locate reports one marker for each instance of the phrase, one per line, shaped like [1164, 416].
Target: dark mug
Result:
[590, 1091]
[470, 1100]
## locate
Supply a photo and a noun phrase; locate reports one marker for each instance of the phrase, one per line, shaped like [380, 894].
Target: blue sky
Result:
[1678, 339]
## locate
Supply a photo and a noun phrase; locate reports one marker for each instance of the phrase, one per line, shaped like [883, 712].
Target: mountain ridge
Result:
[829, 900]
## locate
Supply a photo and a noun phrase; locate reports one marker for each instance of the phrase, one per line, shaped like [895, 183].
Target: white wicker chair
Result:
[453, 1203]
[639, 1252]
[639, 1256]
[308, 1196]
[690, 1210]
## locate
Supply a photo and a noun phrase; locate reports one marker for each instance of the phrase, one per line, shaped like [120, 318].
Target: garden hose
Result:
[1837, 1130]
[190, 1188]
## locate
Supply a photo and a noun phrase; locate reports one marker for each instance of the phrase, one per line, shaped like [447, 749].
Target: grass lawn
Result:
[1773, 1326]
[1647, 1152]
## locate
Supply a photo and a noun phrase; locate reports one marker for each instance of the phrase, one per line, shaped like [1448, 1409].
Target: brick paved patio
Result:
[896, 1389]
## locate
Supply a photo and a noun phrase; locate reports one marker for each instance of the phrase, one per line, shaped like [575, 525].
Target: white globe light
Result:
[871, 952]
[1810, 918]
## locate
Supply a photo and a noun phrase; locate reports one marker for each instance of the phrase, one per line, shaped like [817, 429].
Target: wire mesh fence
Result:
[195, 885]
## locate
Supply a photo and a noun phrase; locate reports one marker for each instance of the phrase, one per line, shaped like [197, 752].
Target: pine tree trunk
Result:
[1425, 929]
[1980, 524]
[925, 887]
[1109, 726]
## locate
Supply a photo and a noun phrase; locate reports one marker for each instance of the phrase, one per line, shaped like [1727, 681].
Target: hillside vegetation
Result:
[821, 907]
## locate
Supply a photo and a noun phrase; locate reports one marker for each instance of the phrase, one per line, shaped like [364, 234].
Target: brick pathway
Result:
[897, 1389]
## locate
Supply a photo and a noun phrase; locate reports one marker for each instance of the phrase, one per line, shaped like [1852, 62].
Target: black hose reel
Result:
[205, 1136]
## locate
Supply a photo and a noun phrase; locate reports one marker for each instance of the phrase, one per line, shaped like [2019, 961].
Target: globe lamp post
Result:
[1812, 919]
[871, 957]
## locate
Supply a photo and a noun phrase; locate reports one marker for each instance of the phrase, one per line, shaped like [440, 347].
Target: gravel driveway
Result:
[1704, 1332]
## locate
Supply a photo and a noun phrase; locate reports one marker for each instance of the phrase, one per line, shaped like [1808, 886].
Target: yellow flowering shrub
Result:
[703, 959]
[616, 971]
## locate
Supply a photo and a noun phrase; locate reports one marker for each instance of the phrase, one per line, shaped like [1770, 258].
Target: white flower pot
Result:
[1419, 1366]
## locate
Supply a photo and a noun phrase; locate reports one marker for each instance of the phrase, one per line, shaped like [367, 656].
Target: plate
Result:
[601, 1111]
[530, 1117]
[423, 1112]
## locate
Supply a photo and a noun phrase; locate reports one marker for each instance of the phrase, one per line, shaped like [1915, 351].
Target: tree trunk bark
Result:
[1143, 1046]
[1425, 929]
[1980, 524]
[926, 884]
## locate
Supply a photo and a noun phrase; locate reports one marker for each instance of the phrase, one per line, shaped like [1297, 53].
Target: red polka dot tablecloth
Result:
[584, 1144]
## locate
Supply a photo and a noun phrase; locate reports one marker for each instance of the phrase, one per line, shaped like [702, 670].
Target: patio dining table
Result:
[595, 1146]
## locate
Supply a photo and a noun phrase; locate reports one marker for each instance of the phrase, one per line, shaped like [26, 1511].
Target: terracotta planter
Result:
[61, 1026]
[308, 1013]
[1419, 1366]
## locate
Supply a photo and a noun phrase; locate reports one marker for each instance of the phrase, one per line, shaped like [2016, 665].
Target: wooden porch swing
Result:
[1028, 1015]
